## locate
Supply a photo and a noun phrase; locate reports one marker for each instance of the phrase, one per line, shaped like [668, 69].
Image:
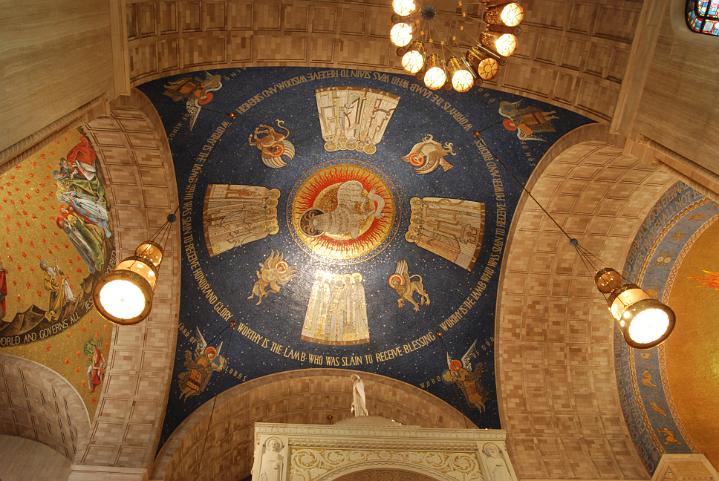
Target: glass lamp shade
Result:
[404, 7]
[486, 66]
[435, 76]
[150, 250]
[124, 295]
[644, 321]
[503, 43]
[461, 78]
[401, 34]
[509, 14]
[413, 60]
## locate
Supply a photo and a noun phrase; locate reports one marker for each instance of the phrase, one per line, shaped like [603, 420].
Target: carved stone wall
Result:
[219, 445]
[572, 53]
[555, 371]
[39, 404]
[301, 452]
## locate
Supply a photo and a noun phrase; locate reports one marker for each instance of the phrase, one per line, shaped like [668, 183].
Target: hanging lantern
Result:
[413, 59]
[435, 76]
[509, 14]
[401, 34]
[503, 43]
[485, 65]
[124, 295]
[461, 78]
[644, 321]
[404, 7]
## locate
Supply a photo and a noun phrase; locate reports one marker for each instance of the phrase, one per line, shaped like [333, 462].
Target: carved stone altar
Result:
[325, 453]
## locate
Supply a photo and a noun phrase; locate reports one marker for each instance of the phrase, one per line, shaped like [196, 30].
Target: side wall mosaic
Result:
[55, 242]
[664, 256]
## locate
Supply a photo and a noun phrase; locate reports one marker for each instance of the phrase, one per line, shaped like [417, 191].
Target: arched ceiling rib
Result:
[141, 191]
[556, 381]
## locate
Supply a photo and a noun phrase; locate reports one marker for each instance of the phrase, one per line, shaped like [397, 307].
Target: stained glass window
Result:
[703, 16]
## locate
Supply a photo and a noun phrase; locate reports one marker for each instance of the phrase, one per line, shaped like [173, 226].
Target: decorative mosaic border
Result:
[667, 233]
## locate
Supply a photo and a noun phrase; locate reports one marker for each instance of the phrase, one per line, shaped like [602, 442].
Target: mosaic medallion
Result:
[343, 212]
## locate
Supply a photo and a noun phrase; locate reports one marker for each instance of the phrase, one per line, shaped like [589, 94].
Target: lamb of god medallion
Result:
[342, 212]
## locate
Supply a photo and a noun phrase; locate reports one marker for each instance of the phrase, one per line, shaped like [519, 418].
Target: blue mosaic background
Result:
[280, 317]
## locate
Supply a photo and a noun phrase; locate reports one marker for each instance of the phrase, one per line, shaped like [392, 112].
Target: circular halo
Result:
[343, 212]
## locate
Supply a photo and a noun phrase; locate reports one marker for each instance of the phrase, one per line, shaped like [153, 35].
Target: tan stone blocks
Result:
[567, 357]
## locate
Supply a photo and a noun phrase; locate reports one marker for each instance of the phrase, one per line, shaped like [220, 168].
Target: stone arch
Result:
[383, 471]
[308, 396]
[555, 368]
[141, 191]
[41, 405]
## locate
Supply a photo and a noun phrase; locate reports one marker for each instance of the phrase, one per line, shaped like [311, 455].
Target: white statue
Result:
[273, 462]
[359, 403]
[496, 466]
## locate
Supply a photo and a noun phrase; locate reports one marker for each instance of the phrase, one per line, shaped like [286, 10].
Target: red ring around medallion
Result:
[416, 160]
[336, 238]
[276, 150]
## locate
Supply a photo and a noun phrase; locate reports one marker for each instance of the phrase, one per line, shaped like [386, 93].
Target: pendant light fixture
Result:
[463, 57]
[124, 295]
[644, 321]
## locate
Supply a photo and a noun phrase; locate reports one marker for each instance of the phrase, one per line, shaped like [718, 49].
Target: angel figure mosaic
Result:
[196, 92]
[467, 377]
[199, 366]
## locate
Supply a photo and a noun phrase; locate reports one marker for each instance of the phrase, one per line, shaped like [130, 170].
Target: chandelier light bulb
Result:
[648, 325]
[436, 76]
[512, 14]
[401, 34]
[462, 79]
[503, 43]
[122, 299]
[509, 14]
[413, 61]
[404, 7]
[506, 44]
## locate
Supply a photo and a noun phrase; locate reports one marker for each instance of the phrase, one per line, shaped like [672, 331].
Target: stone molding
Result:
[324, 453]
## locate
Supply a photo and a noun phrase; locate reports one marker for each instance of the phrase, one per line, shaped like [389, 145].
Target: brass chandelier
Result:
[437, 62]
